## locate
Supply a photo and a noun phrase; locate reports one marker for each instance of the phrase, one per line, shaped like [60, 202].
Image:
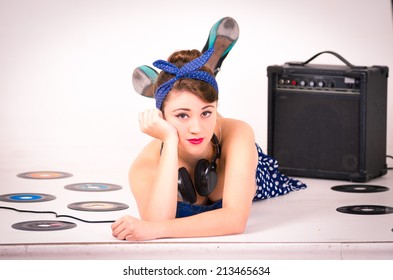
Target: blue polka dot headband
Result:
[189, 70]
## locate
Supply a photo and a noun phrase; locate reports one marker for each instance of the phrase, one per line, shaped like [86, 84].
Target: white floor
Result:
[301, 225]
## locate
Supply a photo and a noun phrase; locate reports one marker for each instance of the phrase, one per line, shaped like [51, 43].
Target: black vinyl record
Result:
[26, 197]
[359, 188]
[44, 175]
[93, 187]
[366, 209]
[97, 206]
[43, 225]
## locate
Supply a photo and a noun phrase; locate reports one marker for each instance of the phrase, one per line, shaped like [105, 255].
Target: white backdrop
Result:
[66, 97]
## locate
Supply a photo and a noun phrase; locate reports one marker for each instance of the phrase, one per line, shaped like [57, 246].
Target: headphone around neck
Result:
[205, 176]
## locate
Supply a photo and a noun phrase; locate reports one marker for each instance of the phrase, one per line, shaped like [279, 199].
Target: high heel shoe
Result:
[143, 79]
[223, 36]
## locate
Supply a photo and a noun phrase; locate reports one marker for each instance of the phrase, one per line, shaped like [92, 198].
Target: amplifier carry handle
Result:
[350, 65]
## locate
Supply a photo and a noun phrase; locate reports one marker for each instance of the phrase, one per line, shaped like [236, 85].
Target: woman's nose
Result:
[195, 126]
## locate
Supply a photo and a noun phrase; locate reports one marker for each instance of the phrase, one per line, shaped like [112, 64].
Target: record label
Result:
[26, 197]
[44, 175]
[359, 188]
[97, 206]
[43, 225]
[93, 187]
[366, 209]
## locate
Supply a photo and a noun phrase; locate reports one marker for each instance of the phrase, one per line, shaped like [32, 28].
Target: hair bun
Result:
[180, 58]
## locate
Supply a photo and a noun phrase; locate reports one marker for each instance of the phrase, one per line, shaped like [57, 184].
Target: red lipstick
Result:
[195, 141]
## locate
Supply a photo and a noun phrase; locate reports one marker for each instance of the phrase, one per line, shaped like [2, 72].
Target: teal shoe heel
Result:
[223, 36]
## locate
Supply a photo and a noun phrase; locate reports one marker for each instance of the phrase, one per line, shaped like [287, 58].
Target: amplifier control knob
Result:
[321, 83]
[302, 83]
[311, 84]
[331, 84]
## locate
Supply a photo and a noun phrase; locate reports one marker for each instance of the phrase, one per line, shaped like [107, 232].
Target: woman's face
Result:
[194, 119]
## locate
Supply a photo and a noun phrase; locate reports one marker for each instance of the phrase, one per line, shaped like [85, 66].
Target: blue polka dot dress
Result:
[270, 182]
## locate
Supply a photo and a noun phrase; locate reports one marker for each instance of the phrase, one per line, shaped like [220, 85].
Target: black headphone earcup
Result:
[185, 187]
[205, 177]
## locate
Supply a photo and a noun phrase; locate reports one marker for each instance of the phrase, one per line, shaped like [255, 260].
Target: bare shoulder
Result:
[234, 130]
[146, 161]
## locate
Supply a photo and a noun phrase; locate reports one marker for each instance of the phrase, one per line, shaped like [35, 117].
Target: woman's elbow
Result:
[239, 225]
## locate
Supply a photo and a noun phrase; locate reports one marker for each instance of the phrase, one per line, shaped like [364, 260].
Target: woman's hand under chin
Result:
[152, 123]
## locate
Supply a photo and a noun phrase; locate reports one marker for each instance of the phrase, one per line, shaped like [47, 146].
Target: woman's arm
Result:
[153, 176]
[218, 222]
[154, 185]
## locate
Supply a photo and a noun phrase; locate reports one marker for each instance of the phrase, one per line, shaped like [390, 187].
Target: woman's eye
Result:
[182, 116]
[206, 114]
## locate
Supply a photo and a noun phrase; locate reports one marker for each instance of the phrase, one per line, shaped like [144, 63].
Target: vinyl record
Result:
[44, 175]
[359, 188]
[366, 209]
[43, 225]
[93, 187]
[26, 197]
[98, 206]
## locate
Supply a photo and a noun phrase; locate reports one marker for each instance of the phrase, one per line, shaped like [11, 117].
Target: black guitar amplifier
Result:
[328, 121]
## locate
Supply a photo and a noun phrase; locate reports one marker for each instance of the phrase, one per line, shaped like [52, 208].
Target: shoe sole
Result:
[143, 79]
